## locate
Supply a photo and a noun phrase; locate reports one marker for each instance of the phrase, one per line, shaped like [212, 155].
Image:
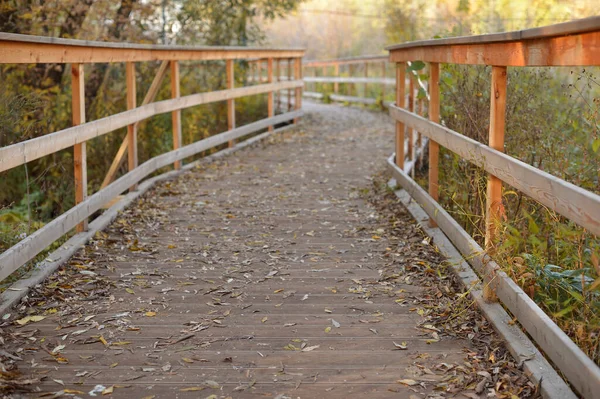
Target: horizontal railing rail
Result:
[20, 49]
[574, 44]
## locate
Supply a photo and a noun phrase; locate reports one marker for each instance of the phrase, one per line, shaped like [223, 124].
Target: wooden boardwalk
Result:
[265, 274]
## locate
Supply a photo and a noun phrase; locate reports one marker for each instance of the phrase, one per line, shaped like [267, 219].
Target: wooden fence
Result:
[357, 75]
[23, 49]
[575, 43]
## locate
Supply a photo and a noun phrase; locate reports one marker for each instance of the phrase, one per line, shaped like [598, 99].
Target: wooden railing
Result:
[356, 74]
[22, 49]
[575, 43]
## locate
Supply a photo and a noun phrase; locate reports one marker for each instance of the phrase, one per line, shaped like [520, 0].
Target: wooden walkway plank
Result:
[273, 274]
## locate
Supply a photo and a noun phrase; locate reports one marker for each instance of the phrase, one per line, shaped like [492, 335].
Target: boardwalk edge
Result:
[517, 342]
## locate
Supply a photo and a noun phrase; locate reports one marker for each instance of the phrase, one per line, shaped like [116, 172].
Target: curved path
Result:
[273, 273]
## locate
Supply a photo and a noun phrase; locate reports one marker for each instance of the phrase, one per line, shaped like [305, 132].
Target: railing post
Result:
[289, 76]
[298, 74]
[176, 115]
[79, 150]
[411, 108]
[278, 78]
[434, 148]
[132, 153]
[494, 207]
[270, 100]
[231, 102]
[336, 85]
[400, 94]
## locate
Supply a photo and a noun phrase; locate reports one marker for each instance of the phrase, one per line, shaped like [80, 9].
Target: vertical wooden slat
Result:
[132, 150]
[494, 207]
[298, 74]
[434, 116]
[270, 102]
[176, 115]
[336, 85]
[259, 71]
[289, 75]
[411, 108]
[400, 94]
[231, 102]
[79, 150]
[277, 79]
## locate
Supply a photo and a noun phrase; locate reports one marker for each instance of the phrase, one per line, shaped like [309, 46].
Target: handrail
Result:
[28, 49]
[574, 43]
[346, 61]
[16, 49]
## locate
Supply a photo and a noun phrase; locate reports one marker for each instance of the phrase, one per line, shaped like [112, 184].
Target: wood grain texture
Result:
[26, 151]
[176, 114]
[19, 49]
[132, 128]
[494, 207]
[569, 200]
[434, 116]
[562, 29]
[400, 102]
[79, 149]
[229, 66]
[28, 248]
[298, 76]
[577, 50]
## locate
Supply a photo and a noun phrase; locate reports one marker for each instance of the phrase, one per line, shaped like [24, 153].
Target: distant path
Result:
[266, 274]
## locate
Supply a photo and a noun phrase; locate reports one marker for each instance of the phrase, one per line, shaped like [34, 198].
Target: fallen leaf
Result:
[33, 319]
[401, 346]
[407, 381]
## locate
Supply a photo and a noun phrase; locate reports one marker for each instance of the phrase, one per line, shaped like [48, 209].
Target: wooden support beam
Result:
[270, 98]
[336, 85]
[277, 79]
[230, 103]
[176, 115]
[411, 108]
[150, 96]
[79, 150]
[434, 148]
[400, 93]
[289, 75]
[494, 208]
[298, 74]
[131, 129]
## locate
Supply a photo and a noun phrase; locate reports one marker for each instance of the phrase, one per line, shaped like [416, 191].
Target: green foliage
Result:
[552, 124]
